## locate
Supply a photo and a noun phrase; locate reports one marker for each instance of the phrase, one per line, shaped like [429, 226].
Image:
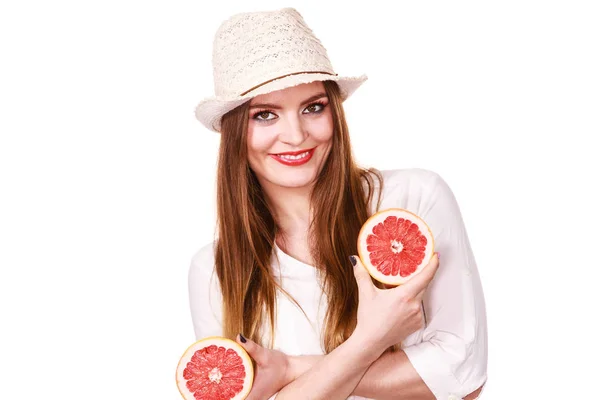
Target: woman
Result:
[290, 204]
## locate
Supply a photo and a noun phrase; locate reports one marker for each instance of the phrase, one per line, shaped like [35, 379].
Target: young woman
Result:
[281, 278]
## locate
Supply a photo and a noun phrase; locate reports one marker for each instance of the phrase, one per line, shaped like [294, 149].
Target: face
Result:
[289, 136]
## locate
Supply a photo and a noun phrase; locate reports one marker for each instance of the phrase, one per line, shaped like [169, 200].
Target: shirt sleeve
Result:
[205, 295]
[451, 357]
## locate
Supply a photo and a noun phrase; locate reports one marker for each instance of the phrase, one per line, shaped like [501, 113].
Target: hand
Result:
[270, 373]
[387, 316]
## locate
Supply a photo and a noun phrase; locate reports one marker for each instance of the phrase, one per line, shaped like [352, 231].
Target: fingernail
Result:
[438, 254]
[353, 260]
[242, 338]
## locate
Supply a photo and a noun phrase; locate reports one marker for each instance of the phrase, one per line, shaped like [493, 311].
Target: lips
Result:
[294, 158]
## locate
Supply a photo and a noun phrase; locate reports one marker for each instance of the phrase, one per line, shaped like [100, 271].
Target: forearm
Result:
[391, 376]
[333, 376]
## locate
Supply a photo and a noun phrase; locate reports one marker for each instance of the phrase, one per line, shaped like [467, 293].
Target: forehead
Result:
[294, 94]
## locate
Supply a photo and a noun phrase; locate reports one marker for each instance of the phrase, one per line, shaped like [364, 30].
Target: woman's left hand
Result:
[271, 373]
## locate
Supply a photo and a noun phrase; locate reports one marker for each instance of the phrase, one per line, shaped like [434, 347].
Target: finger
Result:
[420, 281]
[363, 279]
[419, 296]
[256, 351]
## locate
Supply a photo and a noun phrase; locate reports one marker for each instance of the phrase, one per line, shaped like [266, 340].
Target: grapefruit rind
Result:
[367, 229]
[218, 341]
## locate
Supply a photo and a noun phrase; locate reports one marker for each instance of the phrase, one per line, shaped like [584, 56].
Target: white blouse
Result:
[449, 353]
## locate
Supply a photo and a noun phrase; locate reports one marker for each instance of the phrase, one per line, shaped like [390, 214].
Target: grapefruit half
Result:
[394, 245]
[215, 368]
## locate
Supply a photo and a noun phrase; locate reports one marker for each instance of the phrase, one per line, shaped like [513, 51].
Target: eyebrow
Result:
[276, 107]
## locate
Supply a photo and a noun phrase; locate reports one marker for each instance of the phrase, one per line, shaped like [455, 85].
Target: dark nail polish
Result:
[242, 338]
[353, 260]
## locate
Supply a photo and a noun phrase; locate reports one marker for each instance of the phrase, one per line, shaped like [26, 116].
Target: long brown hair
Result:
[247, 231]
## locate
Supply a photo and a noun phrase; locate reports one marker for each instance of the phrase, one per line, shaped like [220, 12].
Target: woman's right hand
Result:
[386, 317]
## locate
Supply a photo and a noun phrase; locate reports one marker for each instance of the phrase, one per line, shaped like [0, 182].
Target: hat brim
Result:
[210, 111]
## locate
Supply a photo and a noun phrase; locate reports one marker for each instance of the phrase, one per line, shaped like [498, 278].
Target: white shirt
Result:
[449, 353]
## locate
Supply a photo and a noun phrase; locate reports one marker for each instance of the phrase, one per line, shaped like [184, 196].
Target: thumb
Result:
[253, 349]
[363, 279]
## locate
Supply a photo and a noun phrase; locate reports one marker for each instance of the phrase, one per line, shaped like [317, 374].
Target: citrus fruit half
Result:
[394, 245]
[215, 368]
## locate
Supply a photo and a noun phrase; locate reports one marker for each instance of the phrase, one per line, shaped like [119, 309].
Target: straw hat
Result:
[261, 52]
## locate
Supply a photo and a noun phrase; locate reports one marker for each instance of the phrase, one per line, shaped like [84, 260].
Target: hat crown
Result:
[251, 49]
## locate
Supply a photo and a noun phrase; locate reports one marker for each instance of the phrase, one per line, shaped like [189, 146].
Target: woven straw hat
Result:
[261, 52]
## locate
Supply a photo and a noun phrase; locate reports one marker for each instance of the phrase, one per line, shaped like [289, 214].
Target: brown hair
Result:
[247, 231]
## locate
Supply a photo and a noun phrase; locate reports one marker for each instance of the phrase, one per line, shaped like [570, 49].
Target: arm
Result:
[449, 356]
[342, 369]
[275, 370]
[383, 317]
[391, 376]
[381, 379]
[204, 294]
[206, 308]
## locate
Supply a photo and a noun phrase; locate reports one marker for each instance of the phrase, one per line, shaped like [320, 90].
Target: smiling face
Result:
[289, 136]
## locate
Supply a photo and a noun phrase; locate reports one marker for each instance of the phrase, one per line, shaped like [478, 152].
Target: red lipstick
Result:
[294, 158]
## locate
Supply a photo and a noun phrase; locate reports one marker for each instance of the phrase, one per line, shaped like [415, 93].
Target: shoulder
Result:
[205, 252]
[412, 188]
[203, 261]
[410, 176]
[425, 193]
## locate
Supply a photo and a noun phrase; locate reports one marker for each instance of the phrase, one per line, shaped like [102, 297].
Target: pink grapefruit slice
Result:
[394, 245]
[215, 368]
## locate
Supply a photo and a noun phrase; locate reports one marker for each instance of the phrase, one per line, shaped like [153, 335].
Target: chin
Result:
[293, 179]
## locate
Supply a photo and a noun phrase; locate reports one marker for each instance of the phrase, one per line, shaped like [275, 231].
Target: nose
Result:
[293, 131]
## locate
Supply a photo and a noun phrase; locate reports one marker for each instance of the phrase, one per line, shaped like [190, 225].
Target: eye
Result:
[314, 108]
[264, 116]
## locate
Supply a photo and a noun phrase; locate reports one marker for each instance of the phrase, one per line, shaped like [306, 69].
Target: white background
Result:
[107, 180]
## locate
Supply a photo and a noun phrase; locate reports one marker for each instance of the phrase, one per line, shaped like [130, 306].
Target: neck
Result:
[291, 209]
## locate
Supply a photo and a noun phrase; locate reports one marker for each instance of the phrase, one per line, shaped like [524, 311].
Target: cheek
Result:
[259, 140]
[256, 140]
[322, 129]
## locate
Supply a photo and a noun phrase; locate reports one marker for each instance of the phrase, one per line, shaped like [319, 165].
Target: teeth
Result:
[290, 157]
